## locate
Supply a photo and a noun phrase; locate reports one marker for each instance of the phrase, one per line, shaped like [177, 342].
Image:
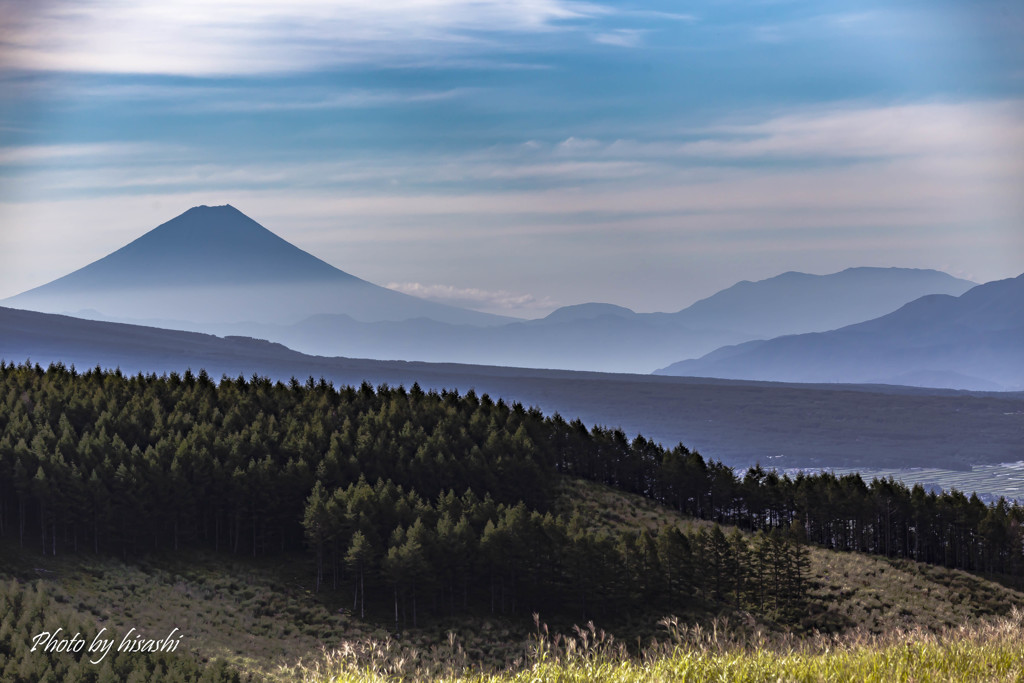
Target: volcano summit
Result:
[214, 264]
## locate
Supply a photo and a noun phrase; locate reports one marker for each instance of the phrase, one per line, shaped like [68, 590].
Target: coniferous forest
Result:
[435, 504]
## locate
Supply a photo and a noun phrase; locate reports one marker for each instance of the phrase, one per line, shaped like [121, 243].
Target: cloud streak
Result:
[104, 152]
[915, 158]
[490, 300]
[239, 37]
[621, 37]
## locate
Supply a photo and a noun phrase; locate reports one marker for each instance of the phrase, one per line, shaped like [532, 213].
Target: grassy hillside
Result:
[262, 617]
[852, 591]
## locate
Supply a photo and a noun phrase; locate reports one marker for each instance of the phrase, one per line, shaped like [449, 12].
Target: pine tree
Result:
[315, 522]
[358, 559]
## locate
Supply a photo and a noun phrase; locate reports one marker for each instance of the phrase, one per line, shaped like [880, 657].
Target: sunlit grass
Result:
[993, 651]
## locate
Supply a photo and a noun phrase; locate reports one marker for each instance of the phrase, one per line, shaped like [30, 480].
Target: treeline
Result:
[461, 551]
[31, 618]
[430, 498]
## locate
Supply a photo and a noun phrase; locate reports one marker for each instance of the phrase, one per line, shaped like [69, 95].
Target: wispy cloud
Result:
[475, 298]
[308, 101]
[621, 37]
[656, 14]
[194, 37]
[857, 131]
[838, 132]
[945, 133]
[956, 146]
[95, 153]
[873, 22]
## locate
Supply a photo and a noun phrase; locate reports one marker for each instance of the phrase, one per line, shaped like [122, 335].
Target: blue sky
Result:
[517, 155]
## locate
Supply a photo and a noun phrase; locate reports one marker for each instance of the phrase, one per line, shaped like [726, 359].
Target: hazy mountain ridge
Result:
[974, 341]
[215, 270]
[607, 343]
[610, 338]
[586, 311]
[792, 303]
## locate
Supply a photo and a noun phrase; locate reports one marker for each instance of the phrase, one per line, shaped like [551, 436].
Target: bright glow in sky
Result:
[518, 155]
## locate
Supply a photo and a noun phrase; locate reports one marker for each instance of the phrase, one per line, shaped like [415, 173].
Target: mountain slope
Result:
[585, 312]
[793, 303]
[215, 264]
[974, 341]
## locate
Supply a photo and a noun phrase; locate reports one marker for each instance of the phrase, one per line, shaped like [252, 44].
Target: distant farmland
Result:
[990, 482]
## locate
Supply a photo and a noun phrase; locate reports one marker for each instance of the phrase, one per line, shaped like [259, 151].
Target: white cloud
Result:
[353, 99]
[197, 37]
[852, 131]
[655, 14]
[471, 296]
[875, 22]
[621, 37]
[575, 145]
[92, 153]
[942, 150]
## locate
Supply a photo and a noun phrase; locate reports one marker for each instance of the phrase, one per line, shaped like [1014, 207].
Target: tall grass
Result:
[993, 651]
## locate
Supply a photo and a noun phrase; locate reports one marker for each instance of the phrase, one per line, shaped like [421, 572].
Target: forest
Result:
[423, 504]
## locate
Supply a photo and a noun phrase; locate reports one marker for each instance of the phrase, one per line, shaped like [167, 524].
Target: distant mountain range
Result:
[792, 303]
[214, 270]
[974, 341]
[609, 338]
[740, 422]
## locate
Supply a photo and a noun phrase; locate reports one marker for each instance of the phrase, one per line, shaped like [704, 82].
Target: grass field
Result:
[993, 651]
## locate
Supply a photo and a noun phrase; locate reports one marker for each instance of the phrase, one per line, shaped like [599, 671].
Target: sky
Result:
[518, 155]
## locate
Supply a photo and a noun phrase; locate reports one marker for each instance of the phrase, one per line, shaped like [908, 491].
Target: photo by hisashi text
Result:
[99, 646]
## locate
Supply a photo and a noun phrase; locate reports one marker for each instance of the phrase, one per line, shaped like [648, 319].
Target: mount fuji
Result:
[214, 264]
